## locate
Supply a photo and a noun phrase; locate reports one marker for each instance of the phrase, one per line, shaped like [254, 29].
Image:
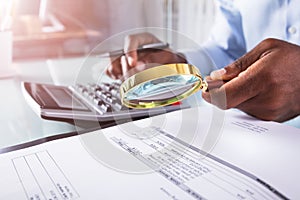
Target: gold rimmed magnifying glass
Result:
[161, 85]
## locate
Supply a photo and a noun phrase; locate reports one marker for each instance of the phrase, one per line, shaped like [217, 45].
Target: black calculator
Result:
[92, 102]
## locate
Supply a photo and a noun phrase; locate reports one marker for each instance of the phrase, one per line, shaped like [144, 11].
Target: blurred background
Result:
[63, 28]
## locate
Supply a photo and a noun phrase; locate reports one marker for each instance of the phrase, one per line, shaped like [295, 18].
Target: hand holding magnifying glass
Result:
[163, 85]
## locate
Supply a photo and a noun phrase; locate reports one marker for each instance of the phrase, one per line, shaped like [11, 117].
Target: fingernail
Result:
[208, 78]
[130, 61]
[216, 75]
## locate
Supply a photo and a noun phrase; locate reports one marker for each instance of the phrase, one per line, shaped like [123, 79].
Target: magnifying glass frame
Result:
[158, 72]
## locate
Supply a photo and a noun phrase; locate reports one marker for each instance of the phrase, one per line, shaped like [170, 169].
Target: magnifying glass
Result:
[161, 85]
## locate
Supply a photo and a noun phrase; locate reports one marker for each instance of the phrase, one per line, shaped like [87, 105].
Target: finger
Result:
[115, 69]
[235, 91]
[132, 42]
[241, 64]
[125, 66]
[212, 84]
[217, 74]
[129, 71]
[110, 74]
[216, 97]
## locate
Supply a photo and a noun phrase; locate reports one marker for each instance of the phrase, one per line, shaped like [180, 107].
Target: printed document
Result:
[249, 159]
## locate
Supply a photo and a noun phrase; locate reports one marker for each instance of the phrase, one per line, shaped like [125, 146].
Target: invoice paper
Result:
[249, 159]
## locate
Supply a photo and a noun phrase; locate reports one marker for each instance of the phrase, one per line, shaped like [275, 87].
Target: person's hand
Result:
[264, 83]
[122, 65]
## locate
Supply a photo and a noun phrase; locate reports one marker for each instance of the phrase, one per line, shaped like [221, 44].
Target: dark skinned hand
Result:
[264, 83]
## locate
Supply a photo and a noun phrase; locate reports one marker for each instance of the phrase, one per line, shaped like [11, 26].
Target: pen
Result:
[146, 47]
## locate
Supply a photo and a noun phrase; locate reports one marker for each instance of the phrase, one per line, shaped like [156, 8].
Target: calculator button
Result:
[114, 100]
[118, 106]
[114, 92]
[85, 92]
[103, 95]
[108, 95]
[98, 101]
[106, 108]
[99, 93]
[105, 86]
[109, 100]
[91, 95]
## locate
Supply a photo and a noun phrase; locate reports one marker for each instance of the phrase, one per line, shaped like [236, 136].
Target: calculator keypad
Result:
[105, 96]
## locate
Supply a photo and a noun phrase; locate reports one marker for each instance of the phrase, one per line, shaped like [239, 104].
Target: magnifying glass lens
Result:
[161, 85]
[162, 88]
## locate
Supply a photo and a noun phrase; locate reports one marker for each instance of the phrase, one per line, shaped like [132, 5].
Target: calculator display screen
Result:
[64, 99]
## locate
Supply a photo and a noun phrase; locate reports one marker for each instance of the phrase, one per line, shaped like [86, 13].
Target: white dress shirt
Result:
[240, 25]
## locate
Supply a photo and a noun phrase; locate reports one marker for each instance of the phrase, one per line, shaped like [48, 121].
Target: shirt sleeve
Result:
[226, 42]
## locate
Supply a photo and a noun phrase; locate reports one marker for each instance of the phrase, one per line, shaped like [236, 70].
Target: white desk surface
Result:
[19, 123]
